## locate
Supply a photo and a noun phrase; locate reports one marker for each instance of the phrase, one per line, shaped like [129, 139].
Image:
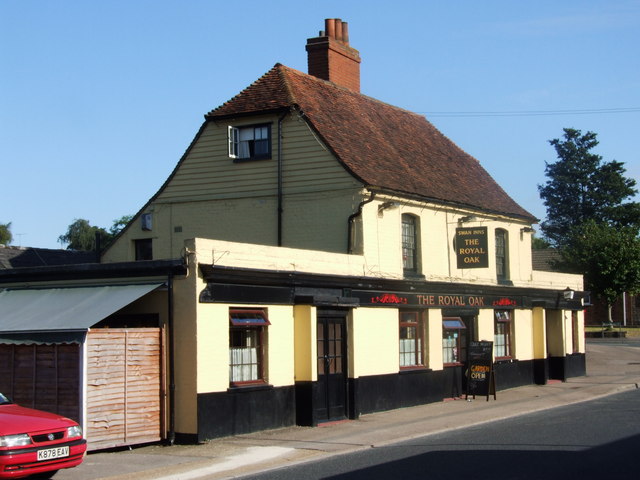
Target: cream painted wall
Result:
[485, 328]
[581, 337]
[569, 332]
[185, 343]
[280, 349]
[213, 347]
[523, 334]
[434, 338]
[556, 341]
[539, 333]
[155, 301]
[305, 343]
[245, 255]
[383, 247]
[567, 326]
[374, 340]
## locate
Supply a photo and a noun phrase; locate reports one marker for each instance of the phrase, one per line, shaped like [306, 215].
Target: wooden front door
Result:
[332, 366]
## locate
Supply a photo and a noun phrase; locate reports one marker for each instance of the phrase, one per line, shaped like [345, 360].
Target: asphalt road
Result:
[591, 440]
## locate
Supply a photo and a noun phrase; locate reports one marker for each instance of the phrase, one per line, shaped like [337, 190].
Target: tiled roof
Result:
[18, 257]
[382, 145]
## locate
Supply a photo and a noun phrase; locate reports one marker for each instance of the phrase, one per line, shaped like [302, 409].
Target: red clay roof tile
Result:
[382, 145]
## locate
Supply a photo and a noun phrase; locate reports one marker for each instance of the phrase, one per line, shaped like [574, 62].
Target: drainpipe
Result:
[172, 383]
[280, 209]
[352, 217]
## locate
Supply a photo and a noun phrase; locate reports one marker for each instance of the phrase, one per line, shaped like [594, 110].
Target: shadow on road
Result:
[617, 460]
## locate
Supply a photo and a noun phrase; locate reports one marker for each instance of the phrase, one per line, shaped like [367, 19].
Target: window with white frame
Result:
[502, 334]
[454, 341]
[410, 235]
[502, 255]
[412, 343]
[247, 336]
[250, 143]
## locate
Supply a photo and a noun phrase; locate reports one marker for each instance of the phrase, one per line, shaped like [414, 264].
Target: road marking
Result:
[250, 456]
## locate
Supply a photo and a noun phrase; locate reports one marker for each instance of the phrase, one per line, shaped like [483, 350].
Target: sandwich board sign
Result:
[480, 376]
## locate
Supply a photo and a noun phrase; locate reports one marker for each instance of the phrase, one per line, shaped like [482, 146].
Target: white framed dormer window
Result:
[252, 142]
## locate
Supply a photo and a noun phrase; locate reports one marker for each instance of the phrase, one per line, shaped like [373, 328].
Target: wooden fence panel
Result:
[124, 387]
[46, 377]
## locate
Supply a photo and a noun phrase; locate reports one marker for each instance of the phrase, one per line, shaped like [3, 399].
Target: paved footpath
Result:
[612, 366]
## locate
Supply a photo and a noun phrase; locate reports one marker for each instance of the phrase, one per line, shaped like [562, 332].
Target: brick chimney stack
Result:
[330, 57]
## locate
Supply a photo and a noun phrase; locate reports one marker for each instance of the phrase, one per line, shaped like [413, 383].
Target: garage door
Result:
[124, 387]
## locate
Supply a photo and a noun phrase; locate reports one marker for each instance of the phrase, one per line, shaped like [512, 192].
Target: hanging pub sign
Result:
[472, 247]
[480, 378]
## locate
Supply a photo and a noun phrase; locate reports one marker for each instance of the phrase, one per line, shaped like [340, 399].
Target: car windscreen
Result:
[4, 399]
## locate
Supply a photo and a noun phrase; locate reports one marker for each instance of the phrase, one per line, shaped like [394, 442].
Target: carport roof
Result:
[64, 309]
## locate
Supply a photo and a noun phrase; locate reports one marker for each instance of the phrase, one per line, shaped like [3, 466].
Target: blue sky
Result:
[99, 100]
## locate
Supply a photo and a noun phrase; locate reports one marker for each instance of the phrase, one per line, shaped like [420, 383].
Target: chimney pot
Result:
[338, 23]
[345, 32]
[330, 57]
[330, 27]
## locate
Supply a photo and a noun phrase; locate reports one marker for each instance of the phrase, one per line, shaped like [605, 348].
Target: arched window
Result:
[410, 236]
[502, 255]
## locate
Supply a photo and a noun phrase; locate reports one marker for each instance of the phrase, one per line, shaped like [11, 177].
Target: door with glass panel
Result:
[331, 393]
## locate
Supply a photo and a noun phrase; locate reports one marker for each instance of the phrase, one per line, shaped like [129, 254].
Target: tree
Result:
[538, 243]
[608, 257]
[582, 187]
[590, 217]
[119, 224]
[81, 235]
[5, 233]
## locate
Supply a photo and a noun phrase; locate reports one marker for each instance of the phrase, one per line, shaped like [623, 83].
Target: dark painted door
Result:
[331, 399]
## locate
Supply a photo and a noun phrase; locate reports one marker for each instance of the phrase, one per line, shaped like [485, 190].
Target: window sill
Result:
[504, 282]
[249, 387]
[413, 276]
[251, 159]
[413, 369]
[503, 359]
[457, 364]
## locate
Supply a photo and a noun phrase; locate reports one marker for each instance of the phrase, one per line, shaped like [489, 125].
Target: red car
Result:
[37, 444]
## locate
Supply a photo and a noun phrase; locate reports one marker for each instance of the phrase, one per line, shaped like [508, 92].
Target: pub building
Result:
[317, 254]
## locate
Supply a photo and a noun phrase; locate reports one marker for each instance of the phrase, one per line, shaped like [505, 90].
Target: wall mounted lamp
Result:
[568, 294]
[387, 206]
[468, 218]
[527, 230]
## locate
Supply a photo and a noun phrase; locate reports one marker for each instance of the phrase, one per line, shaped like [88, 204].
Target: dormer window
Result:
[250, 143]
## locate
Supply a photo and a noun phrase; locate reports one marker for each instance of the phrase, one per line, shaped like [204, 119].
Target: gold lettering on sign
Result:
[427, 299]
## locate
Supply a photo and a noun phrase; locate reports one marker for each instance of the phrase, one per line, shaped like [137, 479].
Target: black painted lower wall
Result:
[540, 371]
[513, 373]
[576, 365]
[245, 410]
[386, 392]
[238, 411]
